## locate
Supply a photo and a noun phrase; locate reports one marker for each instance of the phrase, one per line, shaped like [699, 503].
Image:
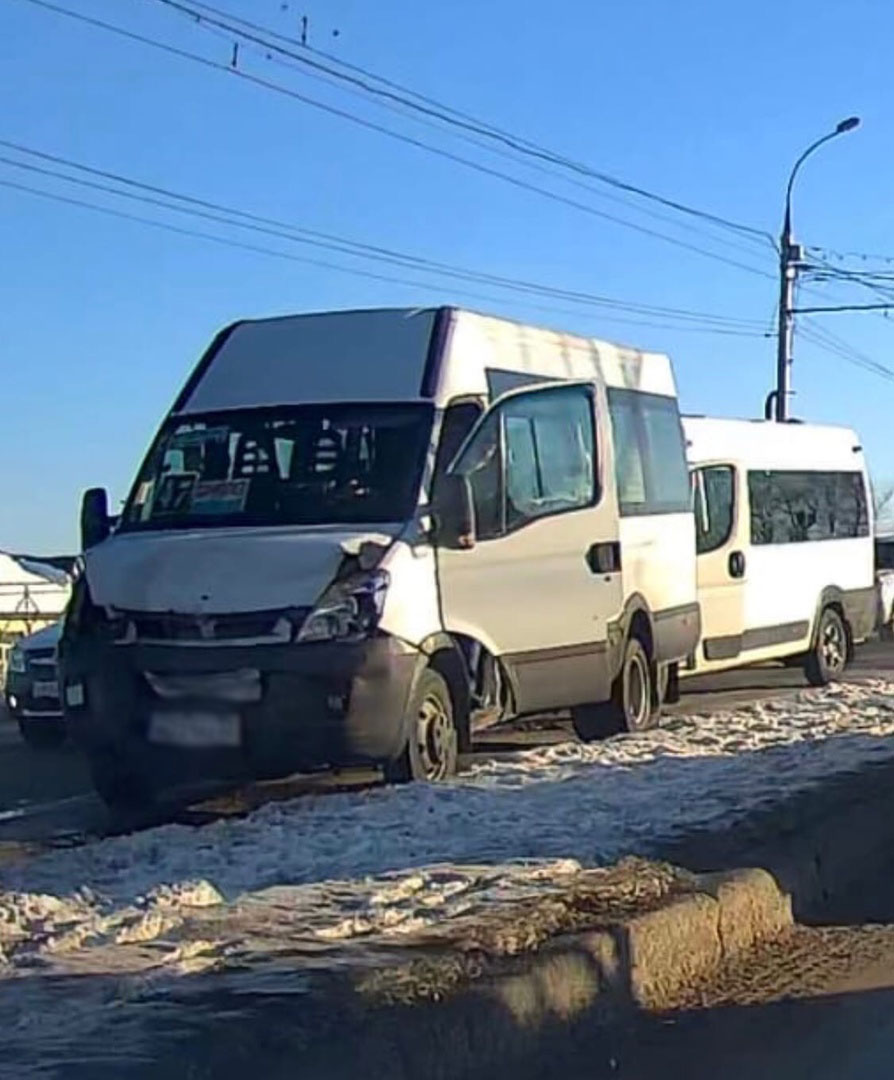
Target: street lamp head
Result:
[847, 125]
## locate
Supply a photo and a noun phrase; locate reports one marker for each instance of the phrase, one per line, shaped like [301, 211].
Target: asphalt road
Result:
[45, 795]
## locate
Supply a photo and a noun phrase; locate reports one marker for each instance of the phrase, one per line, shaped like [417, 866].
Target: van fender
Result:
[636, 609]
[856, 606]
[441, 652]
[667, 635]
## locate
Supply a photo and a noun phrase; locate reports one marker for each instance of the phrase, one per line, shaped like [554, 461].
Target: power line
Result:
[842, 255]
[221, 214]
[261, 35]
[837, 346]
[400, 136]
[733, 244]
[258, 249]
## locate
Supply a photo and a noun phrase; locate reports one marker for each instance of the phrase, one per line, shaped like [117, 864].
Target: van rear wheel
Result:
[827, 659]
[632, 706]
[433, 740]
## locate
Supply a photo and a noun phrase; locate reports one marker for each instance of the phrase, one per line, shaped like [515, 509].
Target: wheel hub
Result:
[637, 694]
[434, 738]
[833, 646]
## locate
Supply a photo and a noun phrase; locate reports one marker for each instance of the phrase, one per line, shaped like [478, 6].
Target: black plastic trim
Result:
[435, 355]
[761, 637]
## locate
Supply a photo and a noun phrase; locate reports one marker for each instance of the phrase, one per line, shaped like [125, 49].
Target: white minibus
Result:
[359, 536]
[784, 537]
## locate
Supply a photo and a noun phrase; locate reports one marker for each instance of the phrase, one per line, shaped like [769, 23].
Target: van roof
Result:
[400, 354]
[766, 444]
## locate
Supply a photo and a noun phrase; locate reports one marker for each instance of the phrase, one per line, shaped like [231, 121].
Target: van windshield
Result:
[301, 465]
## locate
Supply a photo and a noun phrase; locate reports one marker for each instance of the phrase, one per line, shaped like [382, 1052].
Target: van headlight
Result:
[347, 610]
[17, 661]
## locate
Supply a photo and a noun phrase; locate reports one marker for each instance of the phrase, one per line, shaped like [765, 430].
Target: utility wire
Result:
[736, 244]
[221, 214]
[837, 346]
[261, 35]
[258, 249]
[402, 137]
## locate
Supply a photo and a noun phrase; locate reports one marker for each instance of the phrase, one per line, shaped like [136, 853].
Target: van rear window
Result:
[796, 507]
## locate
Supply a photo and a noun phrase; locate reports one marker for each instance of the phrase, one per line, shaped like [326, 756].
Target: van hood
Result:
[222, 571]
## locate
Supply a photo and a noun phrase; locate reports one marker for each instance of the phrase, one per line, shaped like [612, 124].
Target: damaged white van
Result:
[358, 536]
[785, 549]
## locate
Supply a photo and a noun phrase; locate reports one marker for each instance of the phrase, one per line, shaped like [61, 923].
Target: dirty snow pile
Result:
[337, 868]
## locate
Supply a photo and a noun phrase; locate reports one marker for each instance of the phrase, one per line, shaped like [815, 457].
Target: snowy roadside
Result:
[390, 862]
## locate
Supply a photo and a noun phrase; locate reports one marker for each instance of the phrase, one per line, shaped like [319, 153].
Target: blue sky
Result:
[101, 319]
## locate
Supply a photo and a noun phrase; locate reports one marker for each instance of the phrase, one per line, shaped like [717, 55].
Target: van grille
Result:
[175, 627]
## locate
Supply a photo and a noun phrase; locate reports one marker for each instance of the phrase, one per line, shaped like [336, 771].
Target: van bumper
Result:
[300, 707]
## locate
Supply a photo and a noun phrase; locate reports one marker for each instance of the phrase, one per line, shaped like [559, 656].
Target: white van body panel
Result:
[656, 559]
[783, 582]
[480, 349]
[531, 589]
[411, 610]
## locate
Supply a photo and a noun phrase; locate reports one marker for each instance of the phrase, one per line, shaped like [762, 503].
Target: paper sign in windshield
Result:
[219, 496]
[174, 493]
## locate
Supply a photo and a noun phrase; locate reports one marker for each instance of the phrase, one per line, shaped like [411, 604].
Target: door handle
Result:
[604, 558]
[737, 564]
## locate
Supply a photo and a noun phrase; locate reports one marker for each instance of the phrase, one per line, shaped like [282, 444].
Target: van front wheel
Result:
[432, 741]
[827, 659]
[632, 706]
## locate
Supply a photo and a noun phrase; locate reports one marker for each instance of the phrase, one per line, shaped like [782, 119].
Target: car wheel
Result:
[42, 734]
[633, 705]
[432, 743]
[827, 659]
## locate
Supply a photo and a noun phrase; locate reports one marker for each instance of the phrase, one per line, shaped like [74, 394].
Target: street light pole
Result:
[789, 258]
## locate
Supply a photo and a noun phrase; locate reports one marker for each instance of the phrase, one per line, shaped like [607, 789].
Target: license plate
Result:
[195, 729]
[47, 689]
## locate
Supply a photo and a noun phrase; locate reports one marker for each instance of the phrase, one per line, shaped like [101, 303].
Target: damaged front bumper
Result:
[180, 715]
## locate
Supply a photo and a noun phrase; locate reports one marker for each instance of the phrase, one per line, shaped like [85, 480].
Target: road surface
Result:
[46, 794]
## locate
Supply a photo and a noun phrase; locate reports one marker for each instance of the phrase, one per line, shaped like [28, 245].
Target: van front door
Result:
[542, 578]
[721, 566]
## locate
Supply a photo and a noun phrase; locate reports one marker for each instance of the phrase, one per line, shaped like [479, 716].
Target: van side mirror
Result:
[95, 522]
[454, 512]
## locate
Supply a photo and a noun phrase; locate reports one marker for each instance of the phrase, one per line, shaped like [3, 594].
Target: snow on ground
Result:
[387, 861]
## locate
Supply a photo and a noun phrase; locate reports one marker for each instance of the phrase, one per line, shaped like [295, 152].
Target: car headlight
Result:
[348, 609]
[17, 661]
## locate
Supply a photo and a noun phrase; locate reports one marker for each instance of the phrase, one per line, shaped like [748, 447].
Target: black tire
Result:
[42, 734]
[433, 741]
[827, 659]
[633, 705]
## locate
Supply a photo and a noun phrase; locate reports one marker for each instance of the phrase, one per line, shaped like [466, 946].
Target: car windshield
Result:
[302, 465]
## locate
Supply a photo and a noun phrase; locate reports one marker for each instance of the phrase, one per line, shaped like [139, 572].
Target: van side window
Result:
[458, 420]
[650, 458]
[789, 507]
[714, 503]
[533, 456]
[550, 453]
[481, 465]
